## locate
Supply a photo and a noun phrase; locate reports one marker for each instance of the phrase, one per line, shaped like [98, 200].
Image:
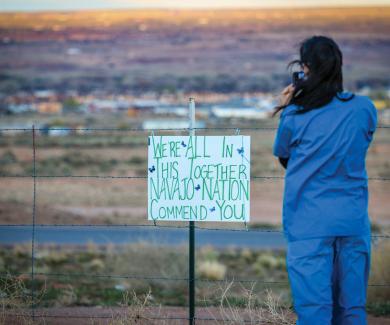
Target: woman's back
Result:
[326, 181]
[322, 138]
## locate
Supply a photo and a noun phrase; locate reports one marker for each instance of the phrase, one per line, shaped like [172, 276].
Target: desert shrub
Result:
[136, 160]
[247, 255]
[208, 253]
[96, 265]
[55, 259]
[211, 270]
[8, 157]
[66, 296]
[267, 261]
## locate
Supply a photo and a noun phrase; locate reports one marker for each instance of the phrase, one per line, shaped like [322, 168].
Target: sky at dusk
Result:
[36, 5]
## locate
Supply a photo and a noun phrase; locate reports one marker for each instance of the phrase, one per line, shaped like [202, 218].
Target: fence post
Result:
[191, 246]
[33, 225]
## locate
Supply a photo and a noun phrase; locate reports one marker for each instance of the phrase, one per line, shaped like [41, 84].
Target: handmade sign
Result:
[199, 178]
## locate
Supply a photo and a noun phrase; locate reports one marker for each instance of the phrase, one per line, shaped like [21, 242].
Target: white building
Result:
[239, 112]
[170, 124]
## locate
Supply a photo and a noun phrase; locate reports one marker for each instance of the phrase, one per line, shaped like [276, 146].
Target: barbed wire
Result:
[130, 225]
[159, 278]
[138, 129]
[145, 177]
[141, 129]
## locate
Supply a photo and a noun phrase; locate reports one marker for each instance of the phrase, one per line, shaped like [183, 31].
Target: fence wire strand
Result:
[129, 225]
[141, 129]
[34, 225]
[158, 278]
[144, 177]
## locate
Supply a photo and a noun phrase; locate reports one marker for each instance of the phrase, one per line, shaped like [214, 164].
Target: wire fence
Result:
[34, 225]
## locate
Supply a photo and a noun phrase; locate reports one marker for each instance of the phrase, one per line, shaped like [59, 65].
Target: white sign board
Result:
[199, 178]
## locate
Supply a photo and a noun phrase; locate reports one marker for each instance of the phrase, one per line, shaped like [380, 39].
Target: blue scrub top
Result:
[326, 192]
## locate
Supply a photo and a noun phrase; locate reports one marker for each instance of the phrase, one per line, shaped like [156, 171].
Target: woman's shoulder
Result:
[366, 102]
[289, 110]
[360, 101]
[362, 106]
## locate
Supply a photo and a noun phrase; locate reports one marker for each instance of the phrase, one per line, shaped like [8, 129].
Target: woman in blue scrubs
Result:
[322, 141]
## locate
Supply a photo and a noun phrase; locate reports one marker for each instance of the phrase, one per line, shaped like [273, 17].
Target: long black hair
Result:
[324, 59]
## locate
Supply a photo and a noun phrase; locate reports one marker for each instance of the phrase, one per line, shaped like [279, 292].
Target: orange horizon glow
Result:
[50, 5]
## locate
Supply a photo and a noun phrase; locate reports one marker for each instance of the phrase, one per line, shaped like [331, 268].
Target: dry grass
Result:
[256, 310]
[271, 312]
[15, 298]
[380, 273]
[136, 312]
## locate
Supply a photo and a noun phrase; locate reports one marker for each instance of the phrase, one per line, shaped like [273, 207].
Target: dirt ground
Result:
[149, 315]
[121, 201]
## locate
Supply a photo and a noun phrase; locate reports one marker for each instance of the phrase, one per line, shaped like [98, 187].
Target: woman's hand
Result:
[285, 95]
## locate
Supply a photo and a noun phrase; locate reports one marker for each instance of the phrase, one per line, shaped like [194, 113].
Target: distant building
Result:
[170, 124]
[44, 94]
[58, 130]
[131, 112]
[20, 108]
[101, 106]
[106, 105]
[244, 108]
[239, 112]
[267, 104]
[173, 110]
[384, 116]
[49, 108]
[365, 91]
[146, 105]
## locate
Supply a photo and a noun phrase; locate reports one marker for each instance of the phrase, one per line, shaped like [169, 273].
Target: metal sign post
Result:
[191, 247]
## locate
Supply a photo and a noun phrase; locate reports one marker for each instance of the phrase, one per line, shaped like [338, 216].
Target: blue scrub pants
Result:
[328, 278]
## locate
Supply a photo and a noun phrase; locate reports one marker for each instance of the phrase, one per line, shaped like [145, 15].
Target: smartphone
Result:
[296, 79]
[297, 76]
